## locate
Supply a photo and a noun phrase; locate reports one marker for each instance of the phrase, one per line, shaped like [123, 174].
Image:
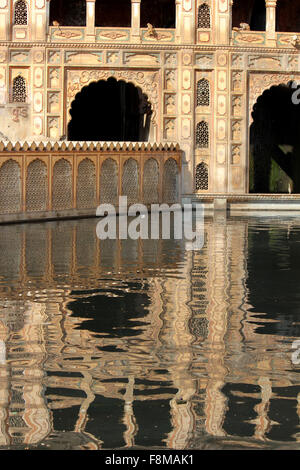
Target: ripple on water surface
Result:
[142, 344]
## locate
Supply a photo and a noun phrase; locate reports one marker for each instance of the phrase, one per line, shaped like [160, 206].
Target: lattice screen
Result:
[203, 93]
[170, 181]
[10, 187]
[202, 135]
[202, 177]
[19, 90]
[109, 182]
[130, 181]
[62, 193]
[20, 16]
[204, 16]
[37, 186]
[86, 185]
[150, 182]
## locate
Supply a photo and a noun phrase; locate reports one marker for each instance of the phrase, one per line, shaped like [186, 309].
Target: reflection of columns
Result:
[129, 418]
[135, 20]
[176, 335]
[271, 21]
[218, 283]
[90, 19]
[4, 388]
[263, 422]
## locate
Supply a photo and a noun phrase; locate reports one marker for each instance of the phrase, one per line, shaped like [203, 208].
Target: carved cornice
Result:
[148, 47]
[73, 146]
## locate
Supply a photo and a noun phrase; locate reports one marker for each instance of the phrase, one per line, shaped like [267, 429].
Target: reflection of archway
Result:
[275, 143]
[110, 111]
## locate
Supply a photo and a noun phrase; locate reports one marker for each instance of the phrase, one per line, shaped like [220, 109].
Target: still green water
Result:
[142, 344]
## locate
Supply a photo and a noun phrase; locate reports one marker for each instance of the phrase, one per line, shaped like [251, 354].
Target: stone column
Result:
[178, 19]
[4, 21]
[271, 22]
[90, 20]
[135, 20]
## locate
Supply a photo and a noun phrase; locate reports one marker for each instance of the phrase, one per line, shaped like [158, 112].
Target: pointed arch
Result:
[127, 115]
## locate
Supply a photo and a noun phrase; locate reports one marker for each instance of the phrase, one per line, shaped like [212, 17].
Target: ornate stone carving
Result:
[237, 81]
[260, 82]
[237, 106]
[170, 129]
[170, 80]
[54, 78]
[236, 131]
[236, 155]
[170, 104]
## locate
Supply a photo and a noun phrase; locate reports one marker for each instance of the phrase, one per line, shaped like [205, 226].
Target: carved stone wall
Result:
[173, 67]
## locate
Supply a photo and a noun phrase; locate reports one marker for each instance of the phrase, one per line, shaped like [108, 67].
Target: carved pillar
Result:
[178, 19]
[39, 20]
[186, 21]
[135, 20]
[271, 21]
[4, 20]
[90, 20]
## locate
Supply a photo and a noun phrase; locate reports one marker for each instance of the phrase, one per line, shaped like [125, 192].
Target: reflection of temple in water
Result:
[180, 355]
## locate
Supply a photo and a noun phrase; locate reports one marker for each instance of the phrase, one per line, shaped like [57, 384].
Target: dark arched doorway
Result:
[110, 111]
[159, 13]
[288, 16]
[113, 14]
[68, 12]
[252, 12]
[275, 142]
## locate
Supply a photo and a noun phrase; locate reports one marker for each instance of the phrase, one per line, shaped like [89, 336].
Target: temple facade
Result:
[186, 72]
